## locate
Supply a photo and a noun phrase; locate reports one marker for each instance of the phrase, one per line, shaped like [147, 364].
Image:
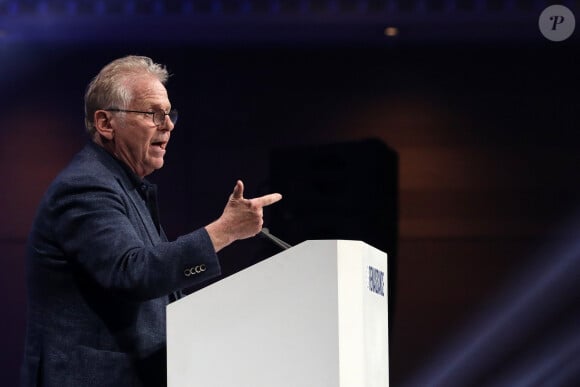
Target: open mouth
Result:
[160, 144]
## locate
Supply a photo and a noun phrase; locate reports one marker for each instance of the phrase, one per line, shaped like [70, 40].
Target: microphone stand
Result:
[278, 242]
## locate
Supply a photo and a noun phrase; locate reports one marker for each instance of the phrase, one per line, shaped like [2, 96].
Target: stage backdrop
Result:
[486, 141]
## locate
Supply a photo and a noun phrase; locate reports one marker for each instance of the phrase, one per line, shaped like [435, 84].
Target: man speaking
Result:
[100, 270]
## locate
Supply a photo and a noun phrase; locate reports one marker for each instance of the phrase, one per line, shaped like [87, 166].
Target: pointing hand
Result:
[242, 218]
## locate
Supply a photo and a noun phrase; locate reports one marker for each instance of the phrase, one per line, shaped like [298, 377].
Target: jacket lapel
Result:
[142, 211]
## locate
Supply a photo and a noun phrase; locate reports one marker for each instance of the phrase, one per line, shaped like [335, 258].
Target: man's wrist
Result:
[219, 236]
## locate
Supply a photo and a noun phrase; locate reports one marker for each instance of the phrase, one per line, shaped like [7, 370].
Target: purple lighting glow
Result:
[518, 340]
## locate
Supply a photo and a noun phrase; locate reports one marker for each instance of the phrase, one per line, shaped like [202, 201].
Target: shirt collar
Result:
[141, 184]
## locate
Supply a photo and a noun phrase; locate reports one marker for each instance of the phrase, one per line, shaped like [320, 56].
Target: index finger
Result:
[266, 200]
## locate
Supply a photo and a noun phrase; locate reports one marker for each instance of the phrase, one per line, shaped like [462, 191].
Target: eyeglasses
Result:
[158, 115]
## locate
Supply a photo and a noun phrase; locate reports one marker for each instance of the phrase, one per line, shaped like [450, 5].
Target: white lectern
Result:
[312, 316]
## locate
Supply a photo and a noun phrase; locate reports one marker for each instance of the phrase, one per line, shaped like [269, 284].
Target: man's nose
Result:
[167, 124]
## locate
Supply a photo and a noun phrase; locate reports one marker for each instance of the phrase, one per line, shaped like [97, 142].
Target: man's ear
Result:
[103, 126]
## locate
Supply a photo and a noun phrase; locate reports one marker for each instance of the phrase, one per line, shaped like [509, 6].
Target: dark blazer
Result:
[100, 275]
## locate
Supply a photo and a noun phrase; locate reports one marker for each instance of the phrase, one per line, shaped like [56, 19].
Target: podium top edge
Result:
[339, 242]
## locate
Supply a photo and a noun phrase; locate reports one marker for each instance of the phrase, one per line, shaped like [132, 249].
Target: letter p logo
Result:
[557, 20]
[557, 23]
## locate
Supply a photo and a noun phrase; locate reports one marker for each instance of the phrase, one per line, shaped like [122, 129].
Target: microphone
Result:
[278, 242]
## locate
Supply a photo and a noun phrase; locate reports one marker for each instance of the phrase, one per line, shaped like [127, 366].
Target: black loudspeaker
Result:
[336, 191]
[339, 191]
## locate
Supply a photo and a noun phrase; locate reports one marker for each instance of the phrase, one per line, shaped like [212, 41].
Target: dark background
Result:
[477, 108]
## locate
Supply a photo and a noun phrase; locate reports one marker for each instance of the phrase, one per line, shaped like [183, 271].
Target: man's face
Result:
[137, 140]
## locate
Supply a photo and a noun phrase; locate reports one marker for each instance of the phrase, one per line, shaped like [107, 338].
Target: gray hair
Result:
[111, 87]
